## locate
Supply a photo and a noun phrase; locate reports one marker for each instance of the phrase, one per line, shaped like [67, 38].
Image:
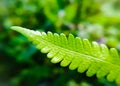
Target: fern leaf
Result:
[79, 54]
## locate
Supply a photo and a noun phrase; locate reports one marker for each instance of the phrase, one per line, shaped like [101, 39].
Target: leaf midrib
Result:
[78, 53]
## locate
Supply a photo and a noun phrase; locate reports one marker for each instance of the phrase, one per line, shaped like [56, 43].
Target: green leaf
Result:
[76, 53]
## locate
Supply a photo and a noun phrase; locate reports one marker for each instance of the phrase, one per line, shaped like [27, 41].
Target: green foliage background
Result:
[21, 64]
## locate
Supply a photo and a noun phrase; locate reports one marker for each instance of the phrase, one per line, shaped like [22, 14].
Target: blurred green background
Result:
[21, 64]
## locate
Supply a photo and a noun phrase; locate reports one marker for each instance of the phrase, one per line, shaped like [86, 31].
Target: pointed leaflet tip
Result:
[21, 30]
[15, 27]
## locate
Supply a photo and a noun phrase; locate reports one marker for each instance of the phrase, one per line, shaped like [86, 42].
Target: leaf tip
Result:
[15, 27]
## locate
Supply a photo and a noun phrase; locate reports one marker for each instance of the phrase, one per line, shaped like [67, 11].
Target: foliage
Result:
[76, 53]
[20, 61]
